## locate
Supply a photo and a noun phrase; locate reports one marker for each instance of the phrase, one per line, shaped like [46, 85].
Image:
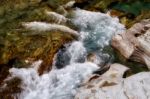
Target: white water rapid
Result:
[96, 30]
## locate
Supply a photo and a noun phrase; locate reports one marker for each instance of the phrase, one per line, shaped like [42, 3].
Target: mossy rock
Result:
[132, 7]
[56, 3]
[21, 47]
[11, 5]
[12, 87]
[17, 44]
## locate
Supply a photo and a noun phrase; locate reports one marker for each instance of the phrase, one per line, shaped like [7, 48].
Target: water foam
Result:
[57, 84]
[96, 30]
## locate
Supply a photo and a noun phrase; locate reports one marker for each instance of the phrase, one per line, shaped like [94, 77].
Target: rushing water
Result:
[96, 30]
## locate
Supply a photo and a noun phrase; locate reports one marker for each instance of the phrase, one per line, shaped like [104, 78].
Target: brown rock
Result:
[33, 47]
[11, 89]
[134, 44]
[25, 46]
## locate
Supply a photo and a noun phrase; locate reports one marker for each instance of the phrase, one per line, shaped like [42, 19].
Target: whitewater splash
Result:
[96, 30]
[57, 84]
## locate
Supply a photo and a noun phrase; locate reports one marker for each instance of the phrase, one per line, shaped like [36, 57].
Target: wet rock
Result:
[56, 3]
[134, 43]
[3, 72]
[112, 85]
[129, 18]
[92, 57]
[96, 83]
[26, 47]
[38, 27]
[98, 58]
[70, 4]
[60, 19]
[24, 42]
[129, 21]
[95, 5]
[62, 58]
[145, 14]
[102, 5]
[10, 89]
[28, 13]
[10, 6]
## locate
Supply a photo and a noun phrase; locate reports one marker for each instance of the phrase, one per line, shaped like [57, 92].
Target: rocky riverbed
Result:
[88, 48]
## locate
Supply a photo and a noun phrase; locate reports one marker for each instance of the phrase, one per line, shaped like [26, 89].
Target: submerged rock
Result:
[145, 14]
[25, 40]
[112, 85]
[27, 47]
[21, 49]
[60, 19]
[56, 3]
[42, 27]
[134, 43]
[10, 89]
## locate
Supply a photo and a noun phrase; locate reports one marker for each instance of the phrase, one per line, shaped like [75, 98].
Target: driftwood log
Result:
[134, 44]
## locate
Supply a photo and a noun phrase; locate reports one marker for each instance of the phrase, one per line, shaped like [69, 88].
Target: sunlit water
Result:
[96, 30]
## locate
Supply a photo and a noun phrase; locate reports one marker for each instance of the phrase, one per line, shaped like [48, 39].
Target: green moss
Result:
[56, 3]
[132, 7]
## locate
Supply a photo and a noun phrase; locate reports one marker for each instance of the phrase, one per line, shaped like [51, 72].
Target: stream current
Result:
[71, 66]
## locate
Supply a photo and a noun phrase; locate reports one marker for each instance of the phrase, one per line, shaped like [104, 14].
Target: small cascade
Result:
[96, 30]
